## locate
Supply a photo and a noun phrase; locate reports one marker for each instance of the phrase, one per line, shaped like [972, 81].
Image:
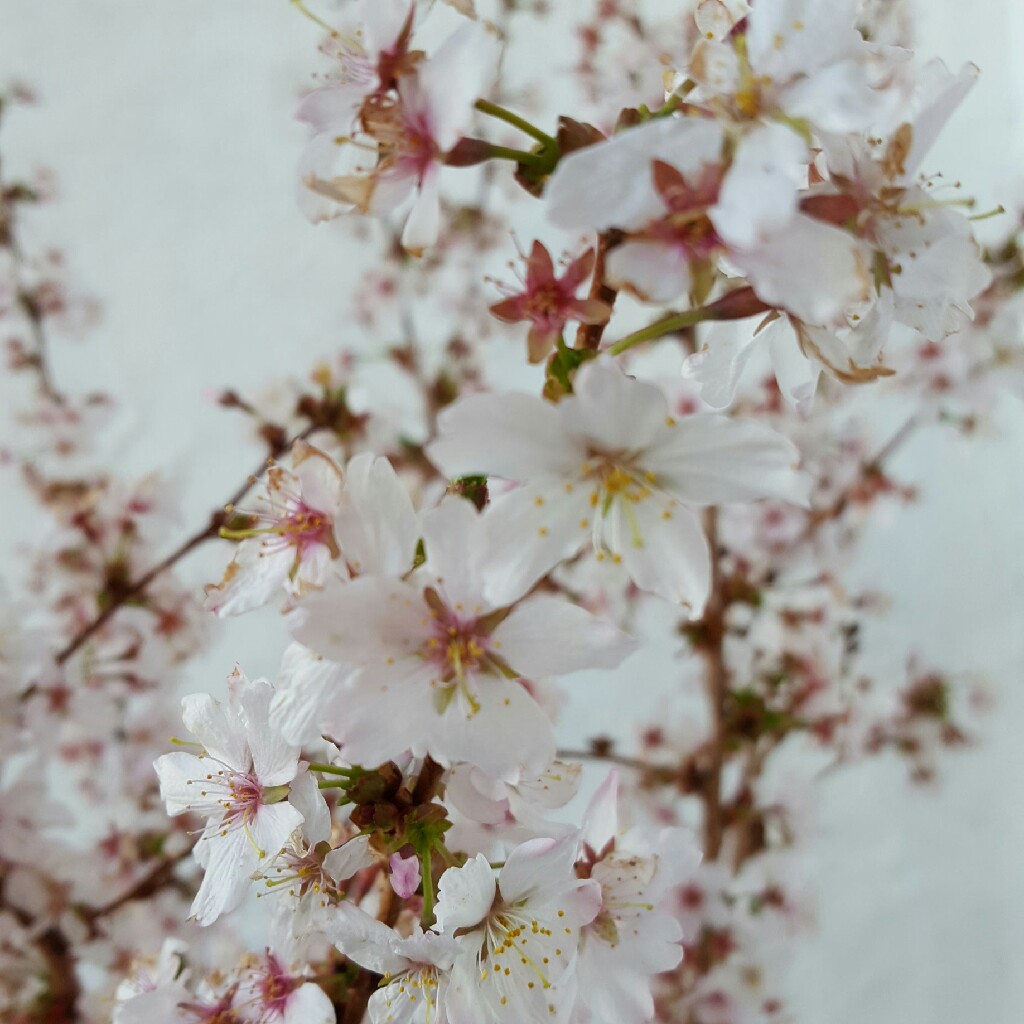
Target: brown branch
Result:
[716, 681]
[10, 195]
[208, 532]
[161, 875]
[588, 336]
[612, 758]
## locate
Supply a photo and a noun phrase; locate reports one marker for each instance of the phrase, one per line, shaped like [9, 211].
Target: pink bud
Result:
[405, 875]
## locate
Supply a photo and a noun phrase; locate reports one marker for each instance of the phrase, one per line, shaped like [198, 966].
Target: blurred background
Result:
[170, 129]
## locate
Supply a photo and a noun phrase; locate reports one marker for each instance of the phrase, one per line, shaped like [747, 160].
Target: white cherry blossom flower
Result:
[634, 936]
[441, 663]
[519, 933]
[682, 207]
[275, 995]
[318, 521]
[608, 467]
[238, 783]
[154, 988]
[415, 968]
[393, 163]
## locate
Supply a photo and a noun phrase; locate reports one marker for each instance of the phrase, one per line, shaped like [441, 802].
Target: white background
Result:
[169, 124]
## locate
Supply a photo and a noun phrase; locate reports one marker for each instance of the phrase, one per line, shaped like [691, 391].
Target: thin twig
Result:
[208, 532]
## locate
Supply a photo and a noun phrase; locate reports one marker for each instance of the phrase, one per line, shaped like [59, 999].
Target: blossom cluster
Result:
[396, 796]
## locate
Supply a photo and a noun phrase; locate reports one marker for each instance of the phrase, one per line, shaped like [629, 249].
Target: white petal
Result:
[719, 364]
[219, 730]
[455, 539]
[758, 196]
[309, 1004]
[178, 773]
[308, 689]
[229, 861]
[306, 798]
[666, 556]
[549, 636]
[610, 184]
[506, 732]
[349, 859]
[708, 459]
[377, 526]
[534, 528]
[601, 821]
[274, 760]
[424, 221]
[612, 410]
[508, 435]
[814, 270]
[652, 271]
[363, 622]
[272, 828]
[254, 576]
[364, 939]
[465, 895]
[320, 477]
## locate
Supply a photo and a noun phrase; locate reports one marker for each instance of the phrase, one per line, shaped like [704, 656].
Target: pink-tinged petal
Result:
[465, 895]
[794, 37]
[274, 760]
[349, 859]
[552, 788]
[665, 556]
[320, 478]
[652, 271]
[613, 994]
[540, 869]
[218, 729]
[534, 528]
[709, 459]
[612, 411]
[462, 794]
[405, 874]
[812, 269]
[377, 526]
[540, 269]
[718, 366]
[540, 342]
[309, 1004]
[511, 310]
[601, 821]
[582, 905]
[229, 860]
[579, 271]
[363, 622]
[505, 732]
[549, 636]
[510, 435]
[758, 196]
[589, 311]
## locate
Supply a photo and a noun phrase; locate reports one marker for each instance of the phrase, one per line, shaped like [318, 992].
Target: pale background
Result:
[169, 125]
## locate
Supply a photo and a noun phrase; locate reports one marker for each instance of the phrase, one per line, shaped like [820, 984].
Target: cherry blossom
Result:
[548, 301]
[440, 661]
[238, 783]
[610, 468]
[518, 932]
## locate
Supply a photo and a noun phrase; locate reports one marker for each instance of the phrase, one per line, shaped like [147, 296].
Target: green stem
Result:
[520, 156]
[494, 110]
[334, 783]
[427, 918]
[330, 769]
[667, 325]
